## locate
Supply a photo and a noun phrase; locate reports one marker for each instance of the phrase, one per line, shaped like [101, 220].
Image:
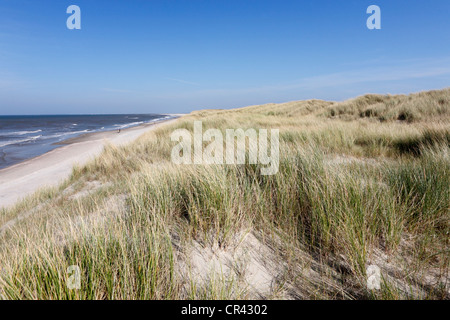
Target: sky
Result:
[175, 56]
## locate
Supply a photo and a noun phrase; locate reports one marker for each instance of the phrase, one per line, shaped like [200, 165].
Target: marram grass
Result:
[360, 182]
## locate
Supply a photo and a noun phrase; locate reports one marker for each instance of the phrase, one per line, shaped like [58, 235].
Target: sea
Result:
[25, 137]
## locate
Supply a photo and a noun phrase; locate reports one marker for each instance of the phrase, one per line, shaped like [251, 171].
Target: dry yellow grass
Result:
[360, 182]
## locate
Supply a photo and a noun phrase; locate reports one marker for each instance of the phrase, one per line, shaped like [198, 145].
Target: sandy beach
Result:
[51, 168]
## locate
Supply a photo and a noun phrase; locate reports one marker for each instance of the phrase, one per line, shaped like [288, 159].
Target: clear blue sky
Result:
[177, 56]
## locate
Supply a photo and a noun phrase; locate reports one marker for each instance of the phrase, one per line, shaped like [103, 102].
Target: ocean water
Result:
[25, 137]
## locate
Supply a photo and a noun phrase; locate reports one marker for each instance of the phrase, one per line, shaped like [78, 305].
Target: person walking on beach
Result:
[118, 131]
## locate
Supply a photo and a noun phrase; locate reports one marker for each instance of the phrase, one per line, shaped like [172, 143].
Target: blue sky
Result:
[154, 56]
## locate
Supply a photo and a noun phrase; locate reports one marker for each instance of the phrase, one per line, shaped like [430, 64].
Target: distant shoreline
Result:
[85, 132]
[92, 136]
[51, 168]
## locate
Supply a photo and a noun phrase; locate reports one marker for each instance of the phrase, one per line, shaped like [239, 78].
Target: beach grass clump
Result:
[412, 108]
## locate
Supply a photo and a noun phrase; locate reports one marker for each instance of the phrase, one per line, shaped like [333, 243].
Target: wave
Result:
[7, 143]
[57, 135]
[19, 133]
[127, 125]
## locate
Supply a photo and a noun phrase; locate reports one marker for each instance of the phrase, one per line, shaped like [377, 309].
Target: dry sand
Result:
[53, 167]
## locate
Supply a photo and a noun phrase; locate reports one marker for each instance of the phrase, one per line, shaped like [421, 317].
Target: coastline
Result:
[93, 136]
[51, 168]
